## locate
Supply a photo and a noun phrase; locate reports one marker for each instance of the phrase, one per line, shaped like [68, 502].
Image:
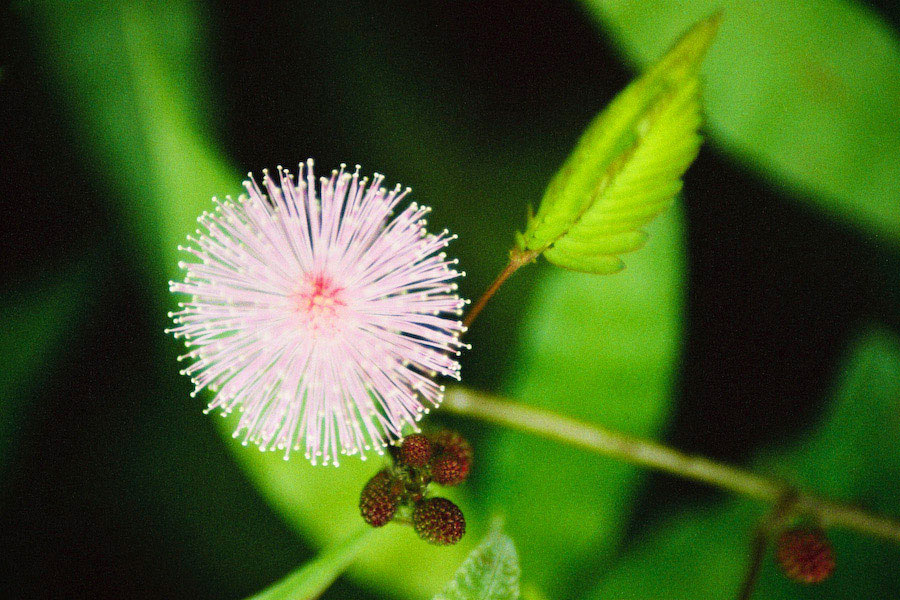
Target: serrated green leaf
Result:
[805, 92]
[627, 166]
[312, 579]
[702, 553]
[491, 572]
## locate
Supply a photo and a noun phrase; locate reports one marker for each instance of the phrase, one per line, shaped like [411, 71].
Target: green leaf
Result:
[312, 579]
[852, 457]
[806, 92]
[491, 572]
[36, 323]
[604, 350]
[627, 166]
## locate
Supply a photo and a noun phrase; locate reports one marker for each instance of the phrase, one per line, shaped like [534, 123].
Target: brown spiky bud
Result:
[439, 521]
[415, 451]
[805, 555]
[380, 498]
[446, 470]
[451, 442]
[453, 458]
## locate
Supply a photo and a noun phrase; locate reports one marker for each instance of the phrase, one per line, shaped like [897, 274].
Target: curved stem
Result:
[650, 454]
[517, 258]
[757, 552]
[767, 528]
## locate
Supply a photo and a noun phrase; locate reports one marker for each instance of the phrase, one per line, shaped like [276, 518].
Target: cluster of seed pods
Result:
[400, 492]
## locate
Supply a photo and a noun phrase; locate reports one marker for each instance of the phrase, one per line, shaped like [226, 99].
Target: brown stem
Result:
[757, 551]
[517, 258]
[760, 541]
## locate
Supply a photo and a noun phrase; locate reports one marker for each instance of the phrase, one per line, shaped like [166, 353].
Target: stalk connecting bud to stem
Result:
[517, 259]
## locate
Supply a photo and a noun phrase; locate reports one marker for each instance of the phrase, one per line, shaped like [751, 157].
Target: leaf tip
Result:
[688, 51]
[705, 30]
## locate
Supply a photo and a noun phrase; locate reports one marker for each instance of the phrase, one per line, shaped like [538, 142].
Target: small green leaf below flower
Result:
[491, 572]
[627, 166]
[313, 578]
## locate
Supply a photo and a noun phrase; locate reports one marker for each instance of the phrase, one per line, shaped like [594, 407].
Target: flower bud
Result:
[447, 470]
[380, 498]
[805, 555]
[439, 521]
[453, 458]
[415, 451]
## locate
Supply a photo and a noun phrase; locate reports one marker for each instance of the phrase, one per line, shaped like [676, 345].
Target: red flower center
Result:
[318, 301]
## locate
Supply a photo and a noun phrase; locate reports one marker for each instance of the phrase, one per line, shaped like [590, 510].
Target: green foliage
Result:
[615, 385]
[600, 349]
[490, 572]
[36, 323]
[309, 581]
[812, 104]
[806, 92]
[136, 99]
[627, 166]
[702, 552]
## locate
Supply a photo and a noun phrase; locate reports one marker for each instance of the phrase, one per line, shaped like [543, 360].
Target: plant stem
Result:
[757, 552]
[767, 527]
[650, 454]
[517, 258]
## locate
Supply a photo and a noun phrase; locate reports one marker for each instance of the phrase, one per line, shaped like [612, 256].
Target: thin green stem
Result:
[650, 454]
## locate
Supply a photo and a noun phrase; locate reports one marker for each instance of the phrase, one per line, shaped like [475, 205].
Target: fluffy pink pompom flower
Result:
[318, 316]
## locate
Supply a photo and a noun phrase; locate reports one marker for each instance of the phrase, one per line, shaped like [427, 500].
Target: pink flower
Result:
[320, 318]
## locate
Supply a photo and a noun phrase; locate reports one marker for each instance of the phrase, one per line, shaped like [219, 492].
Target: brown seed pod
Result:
[439, 521]
[415, 451]
[805, 555]
[380, 498]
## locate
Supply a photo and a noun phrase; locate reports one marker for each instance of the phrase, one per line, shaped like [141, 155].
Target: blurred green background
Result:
[759, 326]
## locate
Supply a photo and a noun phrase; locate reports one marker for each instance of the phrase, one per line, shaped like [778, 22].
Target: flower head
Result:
[317, 315]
